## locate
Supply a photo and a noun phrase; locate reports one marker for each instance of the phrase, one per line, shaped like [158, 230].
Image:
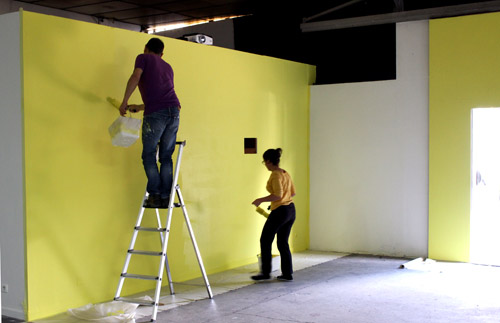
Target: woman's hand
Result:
[257, 202]
[269, 198]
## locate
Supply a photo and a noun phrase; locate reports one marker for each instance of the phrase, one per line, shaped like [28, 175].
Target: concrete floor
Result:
[332, 287]
[358, 289]
[195, 290]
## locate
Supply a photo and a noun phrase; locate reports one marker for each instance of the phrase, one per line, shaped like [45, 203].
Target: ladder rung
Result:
[145, 277]
[135, 301]
[151, 229]
[146, 253]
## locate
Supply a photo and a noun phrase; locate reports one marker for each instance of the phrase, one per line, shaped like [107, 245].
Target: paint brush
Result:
[261, 211]
[114, 102]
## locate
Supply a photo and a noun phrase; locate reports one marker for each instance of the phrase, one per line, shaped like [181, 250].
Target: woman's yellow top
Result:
[280, 184]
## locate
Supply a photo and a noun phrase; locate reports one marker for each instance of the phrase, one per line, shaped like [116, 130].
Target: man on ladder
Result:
[159, 131]
[155, 79]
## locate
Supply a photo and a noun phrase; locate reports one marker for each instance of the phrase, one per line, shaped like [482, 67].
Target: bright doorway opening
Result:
[485, 186]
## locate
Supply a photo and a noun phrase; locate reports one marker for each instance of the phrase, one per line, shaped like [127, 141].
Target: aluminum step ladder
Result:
[164, 234]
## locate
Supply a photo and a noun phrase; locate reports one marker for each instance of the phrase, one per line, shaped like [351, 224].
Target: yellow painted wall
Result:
[464, 74]
[83, 195]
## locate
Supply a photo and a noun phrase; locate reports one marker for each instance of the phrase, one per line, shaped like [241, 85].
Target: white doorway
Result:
[485, 186]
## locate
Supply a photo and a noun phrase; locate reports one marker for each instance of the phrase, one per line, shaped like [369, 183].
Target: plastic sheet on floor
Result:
[420, 264]
[106, 312]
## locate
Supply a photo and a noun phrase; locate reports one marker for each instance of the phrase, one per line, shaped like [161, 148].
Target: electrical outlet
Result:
[5, 288]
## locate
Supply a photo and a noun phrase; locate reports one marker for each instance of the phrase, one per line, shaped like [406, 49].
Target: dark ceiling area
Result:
[148, 13]
[348, 40]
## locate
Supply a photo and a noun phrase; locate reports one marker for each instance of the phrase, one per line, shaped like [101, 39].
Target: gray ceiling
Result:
[148, 13]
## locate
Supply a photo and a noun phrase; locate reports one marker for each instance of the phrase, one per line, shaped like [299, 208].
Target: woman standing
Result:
[280, 221]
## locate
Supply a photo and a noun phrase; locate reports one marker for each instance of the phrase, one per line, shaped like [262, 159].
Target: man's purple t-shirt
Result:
[156, 84]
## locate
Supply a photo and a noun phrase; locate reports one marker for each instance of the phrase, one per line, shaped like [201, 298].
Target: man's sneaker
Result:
[285, 278]
[153, 202]
[261, 277]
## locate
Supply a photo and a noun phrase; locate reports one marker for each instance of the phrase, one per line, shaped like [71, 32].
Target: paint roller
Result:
[261, 211]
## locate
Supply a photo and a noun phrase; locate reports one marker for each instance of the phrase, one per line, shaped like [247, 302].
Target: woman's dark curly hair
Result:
[273, 156]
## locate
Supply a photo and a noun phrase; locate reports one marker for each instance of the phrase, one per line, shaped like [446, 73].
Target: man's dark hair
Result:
[155, 45]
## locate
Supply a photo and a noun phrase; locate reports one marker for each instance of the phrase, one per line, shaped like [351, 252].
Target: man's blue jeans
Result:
[159, 129]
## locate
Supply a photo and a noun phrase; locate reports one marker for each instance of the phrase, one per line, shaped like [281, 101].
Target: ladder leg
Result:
[162, 262]
[131, 246]
[164, 242]
[169, 276]
[167, 232]
[193, 240]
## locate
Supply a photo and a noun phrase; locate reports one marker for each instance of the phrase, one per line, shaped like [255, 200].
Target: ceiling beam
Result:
[395, 17]
[346, 4]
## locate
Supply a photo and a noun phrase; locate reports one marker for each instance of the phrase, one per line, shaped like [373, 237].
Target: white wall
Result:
[11, 168]
[369, 158]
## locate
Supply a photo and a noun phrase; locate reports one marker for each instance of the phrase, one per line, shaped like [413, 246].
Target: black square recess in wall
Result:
[250, 145]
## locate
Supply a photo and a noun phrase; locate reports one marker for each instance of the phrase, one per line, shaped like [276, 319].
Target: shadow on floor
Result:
[6, 319]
